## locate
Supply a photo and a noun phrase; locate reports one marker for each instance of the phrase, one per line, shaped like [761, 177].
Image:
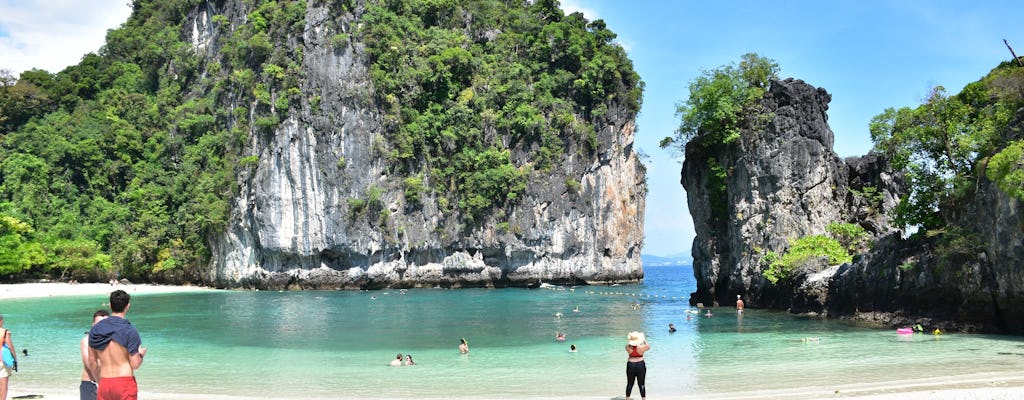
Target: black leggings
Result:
[637, 370]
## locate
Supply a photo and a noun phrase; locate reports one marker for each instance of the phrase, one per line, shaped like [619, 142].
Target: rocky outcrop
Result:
[293, 226]
[781, 181]
[965, 279]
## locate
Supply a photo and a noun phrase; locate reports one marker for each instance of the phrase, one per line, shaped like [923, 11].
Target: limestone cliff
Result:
[939, 280]
[293, 223]
[782, 181]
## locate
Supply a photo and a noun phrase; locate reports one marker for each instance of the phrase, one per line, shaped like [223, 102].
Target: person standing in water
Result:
[397, 362]
[636, 369]
[739, 304]
[463, 346]
[115, 351]
[87, 389]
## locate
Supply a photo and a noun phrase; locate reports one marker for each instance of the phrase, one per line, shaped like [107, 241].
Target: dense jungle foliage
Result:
[125, 164]
[462, 82]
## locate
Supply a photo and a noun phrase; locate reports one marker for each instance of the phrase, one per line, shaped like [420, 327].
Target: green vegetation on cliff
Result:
[463, 81]
[947, 144]
[126, 163]
[721, 102]
[842, 242]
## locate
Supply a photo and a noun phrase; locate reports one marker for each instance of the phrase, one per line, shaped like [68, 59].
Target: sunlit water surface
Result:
[331, 344]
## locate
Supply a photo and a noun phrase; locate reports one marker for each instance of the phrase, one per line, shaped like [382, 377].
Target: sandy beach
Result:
[990, 386]
[982, 393]
[37, 290]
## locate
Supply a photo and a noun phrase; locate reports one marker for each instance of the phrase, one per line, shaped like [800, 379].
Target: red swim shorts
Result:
[119, 388]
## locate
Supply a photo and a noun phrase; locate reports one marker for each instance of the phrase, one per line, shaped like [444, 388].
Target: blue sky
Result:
[869, 55]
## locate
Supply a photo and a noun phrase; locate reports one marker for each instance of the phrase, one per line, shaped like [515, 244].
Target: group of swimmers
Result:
[400, 361]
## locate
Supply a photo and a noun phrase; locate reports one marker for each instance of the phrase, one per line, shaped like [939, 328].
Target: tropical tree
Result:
[721, 100]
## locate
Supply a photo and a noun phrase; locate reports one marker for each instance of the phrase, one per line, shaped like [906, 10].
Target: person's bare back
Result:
[116, 351]
[114, 361]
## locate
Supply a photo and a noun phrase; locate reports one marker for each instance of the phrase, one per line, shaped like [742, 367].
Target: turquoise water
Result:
[338, 344]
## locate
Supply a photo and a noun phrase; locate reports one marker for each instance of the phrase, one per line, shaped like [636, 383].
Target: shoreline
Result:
[57, 289]
[998, 389]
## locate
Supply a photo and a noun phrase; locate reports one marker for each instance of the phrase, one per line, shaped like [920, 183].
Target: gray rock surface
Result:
[783, 182]
[291, 225]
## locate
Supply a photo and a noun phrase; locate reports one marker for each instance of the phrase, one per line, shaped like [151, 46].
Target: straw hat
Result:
[636, 338]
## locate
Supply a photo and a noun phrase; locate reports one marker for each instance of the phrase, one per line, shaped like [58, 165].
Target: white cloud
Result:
[53, 34]
[571, 6]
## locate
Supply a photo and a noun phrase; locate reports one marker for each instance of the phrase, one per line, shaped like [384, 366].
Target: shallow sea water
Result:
[337, 344]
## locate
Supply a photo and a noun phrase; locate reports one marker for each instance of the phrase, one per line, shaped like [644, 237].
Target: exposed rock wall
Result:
[783, 181]
[292, 225]
[929, 280]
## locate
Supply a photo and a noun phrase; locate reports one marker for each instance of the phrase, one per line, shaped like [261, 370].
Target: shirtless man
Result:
[739, 304]
[87, 389]
[116, 351]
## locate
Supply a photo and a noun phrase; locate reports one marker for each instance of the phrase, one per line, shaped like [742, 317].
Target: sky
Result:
[868, 54]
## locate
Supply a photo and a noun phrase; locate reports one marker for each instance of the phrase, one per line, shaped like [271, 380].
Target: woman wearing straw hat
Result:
[636, 369]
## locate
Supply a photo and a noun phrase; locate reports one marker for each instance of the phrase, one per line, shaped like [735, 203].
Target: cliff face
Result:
[293, 225]
[782, 181]
[930, 280]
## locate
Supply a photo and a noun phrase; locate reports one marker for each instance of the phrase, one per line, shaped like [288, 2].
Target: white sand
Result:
[937, 394]
[29, 290]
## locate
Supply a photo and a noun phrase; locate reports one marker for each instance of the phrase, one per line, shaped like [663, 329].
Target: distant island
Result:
[648, 260]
